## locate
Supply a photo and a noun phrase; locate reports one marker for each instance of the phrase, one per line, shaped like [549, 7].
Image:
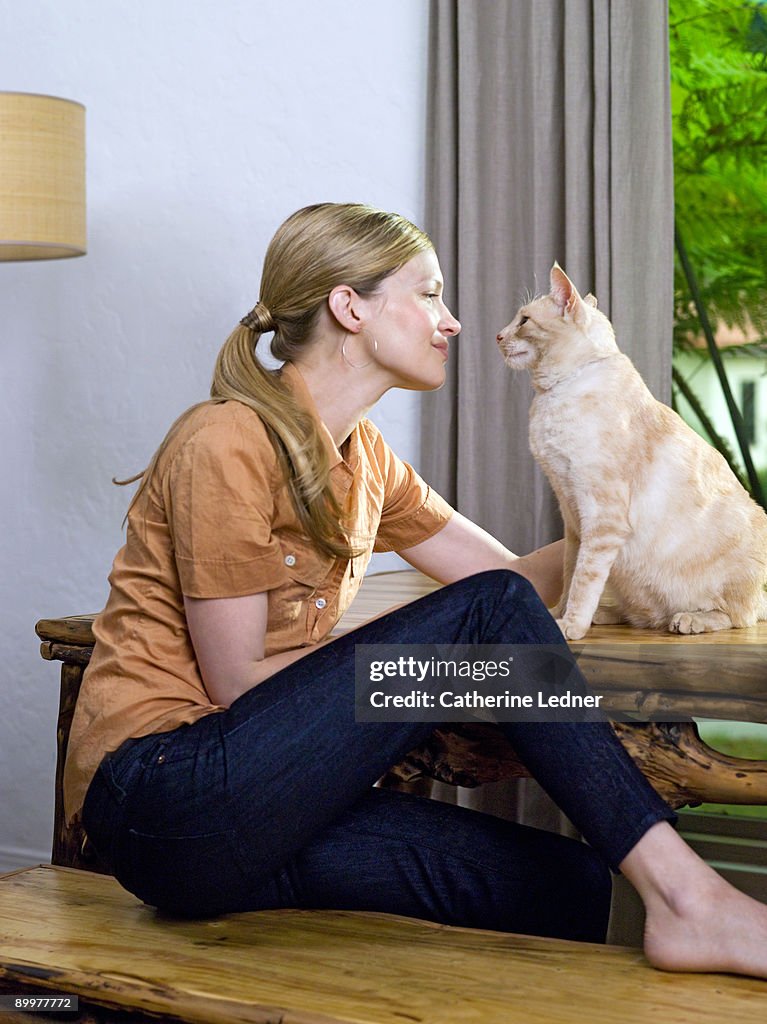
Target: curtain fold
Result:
[549, 139]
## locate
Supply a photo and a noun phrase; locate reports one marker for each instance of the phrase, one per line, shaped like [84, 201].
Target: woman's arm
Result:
[461, 548]
[228, 635]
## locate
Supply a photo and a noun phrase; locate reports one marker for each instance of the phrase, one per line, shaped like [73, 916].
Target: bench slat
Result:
[75, 932]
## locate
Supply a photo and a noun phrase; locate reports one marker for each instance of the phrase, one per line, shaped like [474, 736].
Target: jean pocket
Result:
[191, 875]
[121, 769]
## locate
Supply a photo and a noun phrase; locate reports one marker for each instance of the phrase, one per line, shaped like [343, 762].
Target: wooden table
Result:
[713, 675]
[76, 933]
[721, 675]
[649, 673]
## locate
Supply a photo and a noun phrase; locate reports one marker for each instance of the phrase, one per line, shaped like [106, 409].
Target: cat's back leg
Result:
[699, 622]
[742, 605]
[741, 602]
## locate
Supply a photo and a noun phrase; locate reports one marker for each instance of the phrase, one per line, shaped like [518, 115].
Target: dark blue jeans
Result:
[271, 802]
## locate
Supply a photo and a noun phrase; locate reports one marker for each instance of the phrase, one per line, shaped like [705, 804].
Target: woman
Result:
[214, 757]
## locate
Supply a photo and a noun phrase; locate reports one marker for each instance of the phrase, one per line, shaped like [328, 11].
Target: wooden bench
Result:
[74, 933]
[721, 675]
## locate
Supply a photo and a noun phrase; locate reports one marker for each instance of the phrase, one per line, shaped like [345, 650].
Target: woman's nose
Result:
[450, 325]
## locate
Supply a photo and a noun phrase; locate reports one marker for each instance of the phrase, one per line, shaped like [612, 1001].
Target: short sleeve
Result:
[219, 502]
[412, 511]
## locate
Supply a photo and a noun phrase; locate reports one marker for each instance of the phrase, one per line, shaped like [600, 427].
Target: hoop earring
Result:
[357, 366]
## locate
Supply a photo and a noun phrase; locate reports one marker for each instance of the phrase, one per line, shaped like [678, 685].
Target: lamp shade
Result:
[42, 177]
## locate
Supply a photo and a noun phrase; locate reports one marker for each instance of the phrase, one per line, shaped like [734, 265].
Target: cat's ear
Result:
[564, 292]
[590, 300]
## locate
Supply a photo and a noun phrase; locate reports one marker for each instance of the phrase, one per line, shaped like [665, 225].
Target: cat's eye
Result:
[523, 320]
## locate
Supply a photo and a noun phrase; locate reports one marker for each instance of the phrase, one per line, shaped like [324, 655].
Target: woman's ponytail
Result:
[240, 376]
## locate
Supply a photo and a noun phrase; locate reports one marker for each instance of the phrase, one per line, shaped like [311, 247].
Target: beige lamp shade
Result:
[42, 177]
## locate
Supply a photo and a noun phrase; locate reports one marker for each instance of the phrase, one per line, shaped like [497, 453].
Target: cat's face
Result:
[524, 340]
[556, 330]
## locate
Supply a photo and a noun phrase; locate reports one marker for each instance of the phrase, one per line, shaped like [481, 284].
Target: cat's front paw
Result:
[572, 630]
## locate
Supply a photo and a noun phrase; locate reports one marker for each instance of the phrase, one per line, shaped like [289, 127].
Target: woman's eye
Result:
[432, 295]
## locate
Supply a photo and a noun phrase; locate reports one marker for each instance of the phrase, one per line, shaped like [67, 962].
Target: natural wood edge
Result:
[70, 629]
[88, 1011]
[677, 761]
[657, 705]
[168, 1004]
[72, 655]
[32, 867]
[672, 756]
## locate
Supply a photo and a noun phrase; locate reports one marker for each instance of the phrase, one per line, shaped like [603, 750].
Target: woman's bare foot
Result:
[696, 921]
[719, 929]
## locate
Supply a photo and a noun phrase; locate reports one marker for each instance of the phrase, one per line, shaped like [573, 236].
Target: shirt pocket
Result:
[306, 571]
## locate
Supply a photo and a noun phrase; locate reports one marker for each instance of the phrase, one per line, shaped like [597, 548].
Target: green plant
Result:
[718, 97]
[719, 101]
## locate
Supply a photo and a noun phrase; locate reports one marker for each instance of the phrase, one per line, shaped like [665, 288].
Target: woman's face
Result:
[411, 325]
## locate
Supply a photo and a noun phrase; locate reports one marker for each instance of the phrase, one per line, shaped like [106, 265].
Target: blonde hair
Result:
[316, 249]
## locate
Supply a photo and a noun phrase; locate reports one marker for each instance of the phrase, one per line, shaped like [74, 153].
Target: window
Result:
[748, 408]
[718, 98]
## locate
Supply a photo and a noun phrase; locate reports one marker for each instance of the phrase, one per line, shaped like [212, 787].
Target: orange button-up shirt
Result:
[216, 520]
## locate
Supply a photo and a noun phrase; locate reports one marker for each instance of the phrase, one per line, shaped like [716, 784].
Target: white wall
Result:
[699, 372]
[208, 122]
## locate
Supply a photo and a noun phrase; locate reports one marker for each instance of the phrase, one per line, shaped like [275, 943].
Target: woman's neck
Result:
[341, 394]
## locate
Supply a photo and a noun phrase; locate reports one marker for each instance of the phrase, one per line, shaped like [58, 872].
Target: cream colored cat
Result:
[645, 501]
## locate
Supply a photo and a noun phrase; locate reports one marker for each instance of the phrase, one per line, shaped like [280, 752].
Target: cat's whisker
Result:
[529, 297]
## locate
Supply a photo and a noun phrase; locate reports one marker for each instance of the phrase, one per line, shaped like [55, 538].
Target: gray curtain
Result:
[549, 138]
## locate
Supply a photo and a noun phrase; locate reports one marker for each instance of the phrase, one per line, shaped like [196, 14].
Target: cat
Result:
[647, 504]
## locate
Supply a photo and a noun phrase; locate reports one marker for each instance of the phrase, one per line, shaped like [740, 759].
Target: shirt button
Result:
[320, 602]
[290, 559]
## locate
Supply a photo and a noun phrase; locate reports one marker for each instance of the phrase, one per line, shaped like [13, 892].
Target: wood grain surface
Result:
[650, 672]
[74, 932]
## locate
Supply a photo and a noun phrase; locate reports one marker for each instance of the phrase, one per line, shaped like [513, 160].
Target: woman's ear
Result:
[344, 303]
